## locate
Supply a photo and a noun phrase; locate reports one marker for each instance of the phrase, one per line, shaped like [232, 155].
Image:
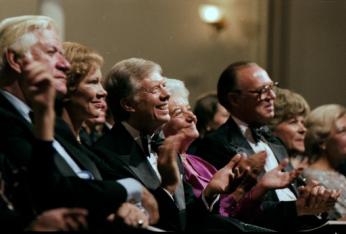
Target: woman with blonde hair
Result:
[288, 123]
[325, 144]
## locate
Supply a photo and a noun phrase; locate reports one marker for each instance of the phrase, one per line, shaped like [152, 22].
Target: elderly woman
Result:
[325, 144]
[288, 122]
[198, 172]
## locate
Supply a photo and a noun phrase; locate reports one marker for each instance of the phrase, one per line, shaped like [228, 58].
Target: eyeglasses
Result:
[157, 89]
[261, 92]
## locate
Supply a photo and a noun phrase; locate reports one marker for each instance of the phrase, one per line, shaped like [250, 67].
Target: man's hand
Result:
[256, 163]
[167, 162]
[131, 215]
[277, 178]
[150, 205]
[38, 85]
[227, 178]
[61, 219]
[39, 91]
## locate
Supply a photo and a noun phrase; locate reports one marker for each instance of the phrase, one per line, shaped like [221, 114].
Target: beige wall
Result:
[301, 42]
[308, 48]
[166, 31]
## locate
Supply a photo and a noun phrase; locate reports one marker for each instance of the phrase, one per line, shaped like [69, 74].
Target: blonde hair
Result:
[17, 33]
[319, 124]
[287, 105]
[82, 60]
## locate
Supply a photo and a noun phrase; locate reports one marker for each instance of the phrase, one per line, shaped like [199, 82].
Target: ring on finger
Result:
[140, 222]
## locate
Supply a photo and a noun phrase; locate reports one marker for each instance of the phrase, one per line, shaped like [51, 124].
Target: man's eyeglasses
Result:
[157, 89]
[261, 92]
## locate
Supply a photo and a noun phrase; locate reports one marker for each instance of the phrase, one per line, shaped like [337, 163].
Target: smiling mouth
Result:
[162, 107]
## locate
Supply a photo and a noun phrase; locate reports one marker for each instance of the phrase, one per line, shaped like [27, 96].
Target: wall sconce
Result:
[212, 15]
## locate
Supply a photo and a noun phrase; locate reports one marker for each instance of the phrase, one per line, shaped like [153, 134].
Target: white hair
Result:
[177, 90]
[18, 33]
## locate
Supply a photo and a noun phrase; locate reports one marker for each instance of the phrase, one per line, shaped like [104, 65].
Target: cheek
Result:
[340, 145]
[284, 132]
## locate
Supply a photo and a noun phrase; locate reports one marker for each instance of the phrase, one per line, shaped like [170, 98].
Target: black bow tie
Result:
[155, 142]
[258, 133]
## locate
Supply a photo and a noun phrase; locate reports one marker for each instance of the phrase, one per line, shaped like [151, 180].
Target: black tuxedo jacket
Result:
[221, 145]
[123, 154]
[118, 149]
[45, 180]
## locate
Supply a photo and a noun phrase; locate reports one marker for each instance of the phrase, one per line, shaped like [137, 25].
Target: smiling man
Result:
[246, 91]
[38, 164]
[138, 99]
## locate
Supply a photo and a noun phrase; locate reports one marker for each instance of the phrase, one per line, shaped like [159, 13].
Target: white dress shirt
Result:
[284, 194]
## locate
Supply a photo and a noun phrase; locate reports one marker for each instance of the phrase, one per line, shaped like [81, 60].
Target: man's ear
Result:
[13, 60]
[127, 105]
[233, 99]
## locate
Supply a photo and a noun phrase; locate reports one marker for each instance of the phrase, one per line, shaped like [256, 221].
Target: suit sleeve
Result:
[101, 197]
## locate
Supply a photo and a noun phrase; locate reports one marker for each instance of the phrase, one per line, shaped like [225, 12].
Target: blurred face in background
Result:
[220, 118]
[335, 145]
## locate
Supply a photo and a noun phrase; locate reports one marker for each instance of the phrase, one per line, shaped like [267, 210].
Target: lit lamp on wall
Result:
[212, 15]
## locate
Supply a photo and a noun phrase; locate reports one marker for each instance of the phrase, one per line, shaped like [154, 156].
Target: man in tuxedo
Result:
[138, 99]
[246, 91]
[44, 169]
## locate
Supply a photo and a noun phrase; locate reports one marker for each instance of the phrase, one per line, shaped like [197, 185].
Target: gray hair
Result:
[177, 90]
[122, 82]
[18, 33]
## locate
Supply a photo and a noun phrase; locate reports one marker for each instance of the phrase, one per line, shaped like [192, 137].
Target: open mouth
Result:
[162, 107]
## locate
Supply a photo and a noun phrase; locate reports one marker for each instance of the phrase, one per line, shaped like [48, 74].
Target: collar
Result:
[20, 106]
[242, 125]
[136, 134]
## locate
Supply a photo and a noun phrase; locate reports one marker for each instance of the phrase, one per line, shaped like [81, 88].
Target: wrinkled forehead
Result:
[42, 36]
[49, 37]
[148, 80]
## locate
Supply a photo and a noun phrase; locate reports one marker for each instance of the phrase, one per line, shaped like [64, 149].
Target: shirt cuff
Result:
[207, 205]
[133, 188]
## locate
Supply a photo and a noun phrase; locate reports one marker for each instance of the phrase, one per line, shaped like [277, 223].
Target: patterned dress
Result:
[331, 180]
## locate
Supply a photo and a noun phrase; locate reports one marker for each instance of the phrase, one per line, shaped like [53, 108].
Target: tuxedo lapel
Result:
[121, 145]
[81, 159]
[62, 166]
[140, 166]
[179, 195]
[236, 140]
[280, 154]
